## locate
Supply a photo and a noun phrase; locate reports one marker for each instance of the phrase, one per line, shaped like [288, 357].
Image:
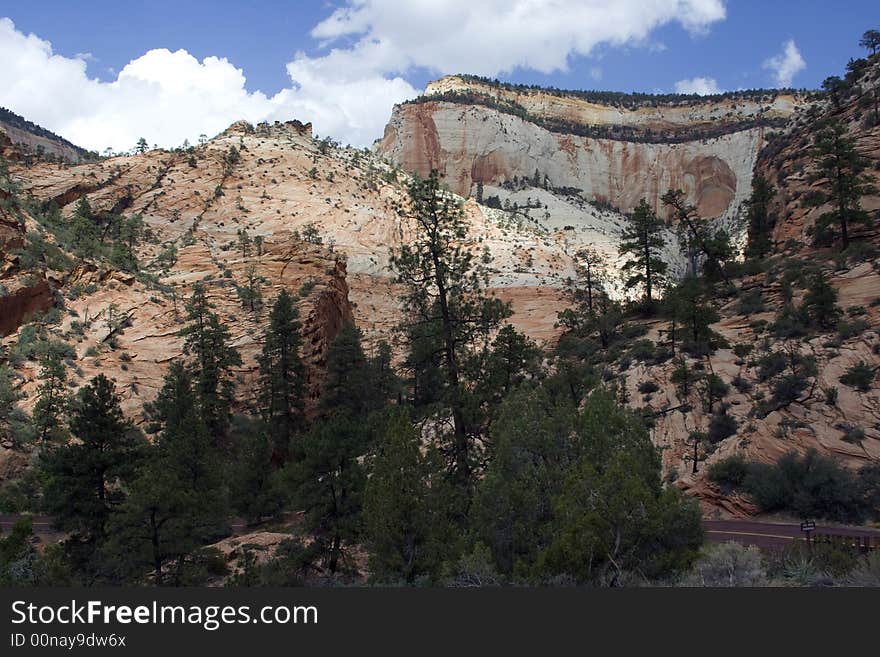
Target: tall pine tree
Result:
[82, 480]
[207, 341]
[642, 242]
[282, 376]
[841, 169]
[448, 313]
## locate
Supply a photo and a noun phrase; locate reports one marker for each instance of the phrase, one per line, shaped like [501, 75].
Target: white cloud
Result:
[699, 86]
[493, 36]
[347, 90]
[171, 96]
[786, 64]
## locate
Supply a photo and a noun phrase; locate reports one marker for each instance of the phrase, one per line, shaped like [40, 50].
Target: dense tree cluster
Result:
[478, 463]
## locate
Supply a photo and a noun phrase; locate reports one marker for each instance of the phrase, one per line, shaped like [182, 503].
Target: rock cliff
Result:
[477, 133]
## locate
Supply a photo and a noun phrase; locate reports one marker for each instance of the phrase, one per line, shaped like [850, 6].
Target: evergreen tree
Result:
[513, 507]
[760, 221]
[386, 386]
[589, 283]
[9, 397]
[52, 396]
[250, 295]
[150, 530]
[820, 303]
[689, 307]
[512, 359]
[397, 515]
[282, 376]
[871, 41]
[128, 232]
[347, 386]
[244, 242]
[85, 237]
[141, 146]
[206, 340]
[177, 503]
[576, 493]
[607, 321]
[82, 479]
[684, 379]
[700, 243]
[327, 480]
[255, 489]
[642, 241]
[448, 313]
[842, 171]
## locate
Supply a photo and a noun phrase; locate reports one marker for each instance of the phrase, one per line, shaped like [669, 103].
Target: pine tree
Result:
[698, 240]
[347, 386]
[512, 359]
[397, 517]
[760, 222]
[82, 478]
[589, 283]
[327, 481]
[385, 385]
[206, 340]
[282, 376]
[642, 241]
[250, 294]
[52, 396]
[842, 171]
[688, 306]
[448, 313]
[177, 503]
[85, 236]
[244, 242]
[255, 489]
[150, 530]
[127, 233]
[820, 303]
[15, 426]
[871, 41]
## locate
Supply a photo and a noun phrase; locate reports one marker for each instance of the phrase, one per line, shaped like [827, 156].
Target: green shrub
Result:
[751, 303]
[831, 395]
[853, 434]
[860, 376]
[728, 565]
[741, 384]
[811, 486]
[850, 328]
[307, 287]
[721, 426]
[730, 472]
[648, 387]
[771, 364]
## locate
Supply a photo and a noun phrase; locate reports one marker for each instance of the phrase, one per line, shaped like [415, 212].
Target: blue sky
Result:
[343, 64]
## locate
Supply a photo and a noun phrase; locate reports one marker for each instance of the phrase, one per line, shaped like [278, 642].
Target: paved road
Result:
[747, 532]
[43, 524]
[778, 535]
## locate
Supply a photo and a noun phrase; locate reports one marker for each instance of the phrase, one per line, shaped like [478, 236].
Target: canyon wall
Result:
[470, 143]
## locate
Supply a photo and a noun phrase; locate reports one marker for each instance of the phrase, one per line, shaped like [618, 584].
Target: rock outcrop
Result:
[707, 149]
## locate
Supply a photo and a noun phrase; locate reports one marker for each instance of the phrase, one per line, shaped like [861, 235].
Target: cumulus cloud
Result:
[171, 96]
[346, 87]
[494, 36]
[699, 86]
[786, 64]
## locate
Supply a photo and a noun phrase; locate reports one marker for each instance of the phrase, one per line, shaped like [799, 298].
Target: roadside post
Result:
[808, 526]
